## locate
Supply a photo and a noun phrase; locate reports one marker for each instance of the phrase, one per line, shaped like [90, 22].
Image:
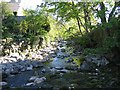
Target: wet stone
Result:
[63, 71]
[43, 71]
[39, 80]
[14, 72]
[30, 84]
[29, 68]
[32, 78]
[59, 68]
[3, 84]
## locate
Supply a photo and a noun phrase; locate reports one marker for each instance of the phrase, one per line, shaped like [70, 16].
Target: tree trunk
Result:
[102, 15]
[85, 17]
[79, 25]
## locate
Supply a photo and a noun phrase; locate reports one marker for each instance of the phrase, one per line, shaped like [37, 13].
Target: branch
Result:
[113, 10]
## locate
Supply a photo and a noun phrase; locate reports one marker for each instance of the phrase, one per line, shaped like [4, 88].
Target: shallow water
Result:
[71, 79]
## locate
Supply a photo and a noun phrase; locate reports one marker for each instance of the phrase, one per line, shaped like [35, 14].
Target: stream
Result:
[62, 71]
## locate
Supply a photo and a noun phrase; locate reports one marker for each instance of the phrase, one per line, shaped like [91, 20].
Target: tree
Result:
[81, 12]
[5, 9]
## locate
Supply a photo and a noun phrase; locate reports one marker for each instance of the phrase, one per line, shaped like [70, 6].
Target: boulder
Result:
[98, 60]
[87, 66]
[93, 62]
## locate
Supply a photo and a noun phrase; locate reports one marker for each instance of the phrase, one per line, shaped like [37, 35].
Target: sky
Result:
[27, 4]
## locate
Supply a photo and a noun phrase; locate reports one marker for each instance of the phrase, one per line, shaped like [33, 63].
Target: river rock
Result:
[36, 64]
[93, 62]
[43, 71]
[3, 84]
[53, 55]
[30, 84]
[14, 72]
[62, 50]
[29, 68]
[23, 70]
[87, 66]
[69, 60]
[32, 78]
[63, 71]
[98, 60]
[59, 68]
[39, 80]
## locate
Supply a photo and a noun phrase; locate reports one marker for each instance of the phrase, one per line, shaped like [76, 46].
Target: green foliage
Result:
[23, 26]
[71, 10]
[83, 41]
[35, 23]
[94, 51]
[9, 26]
[5, 9]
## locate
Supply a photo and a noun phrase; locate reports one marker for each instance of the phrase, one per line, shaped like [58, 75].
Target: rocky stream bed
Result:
[57, 68]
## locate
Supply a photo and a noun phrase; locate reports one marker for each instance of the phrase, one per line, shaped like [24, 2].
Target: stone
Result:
[72, 68]
[93, 62]
[40, 57]
[53, 55]
[69, 61]
[59, 68]
[22, 70]
[62, 50]
[87, 66]
[39, 80]
[43, 71]
[99, 61]
[53, 70]
[3, 83]
[30, 84]
[29, 68]
[14, 72]
[13, 59]
[63, 71]
[32, 78]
